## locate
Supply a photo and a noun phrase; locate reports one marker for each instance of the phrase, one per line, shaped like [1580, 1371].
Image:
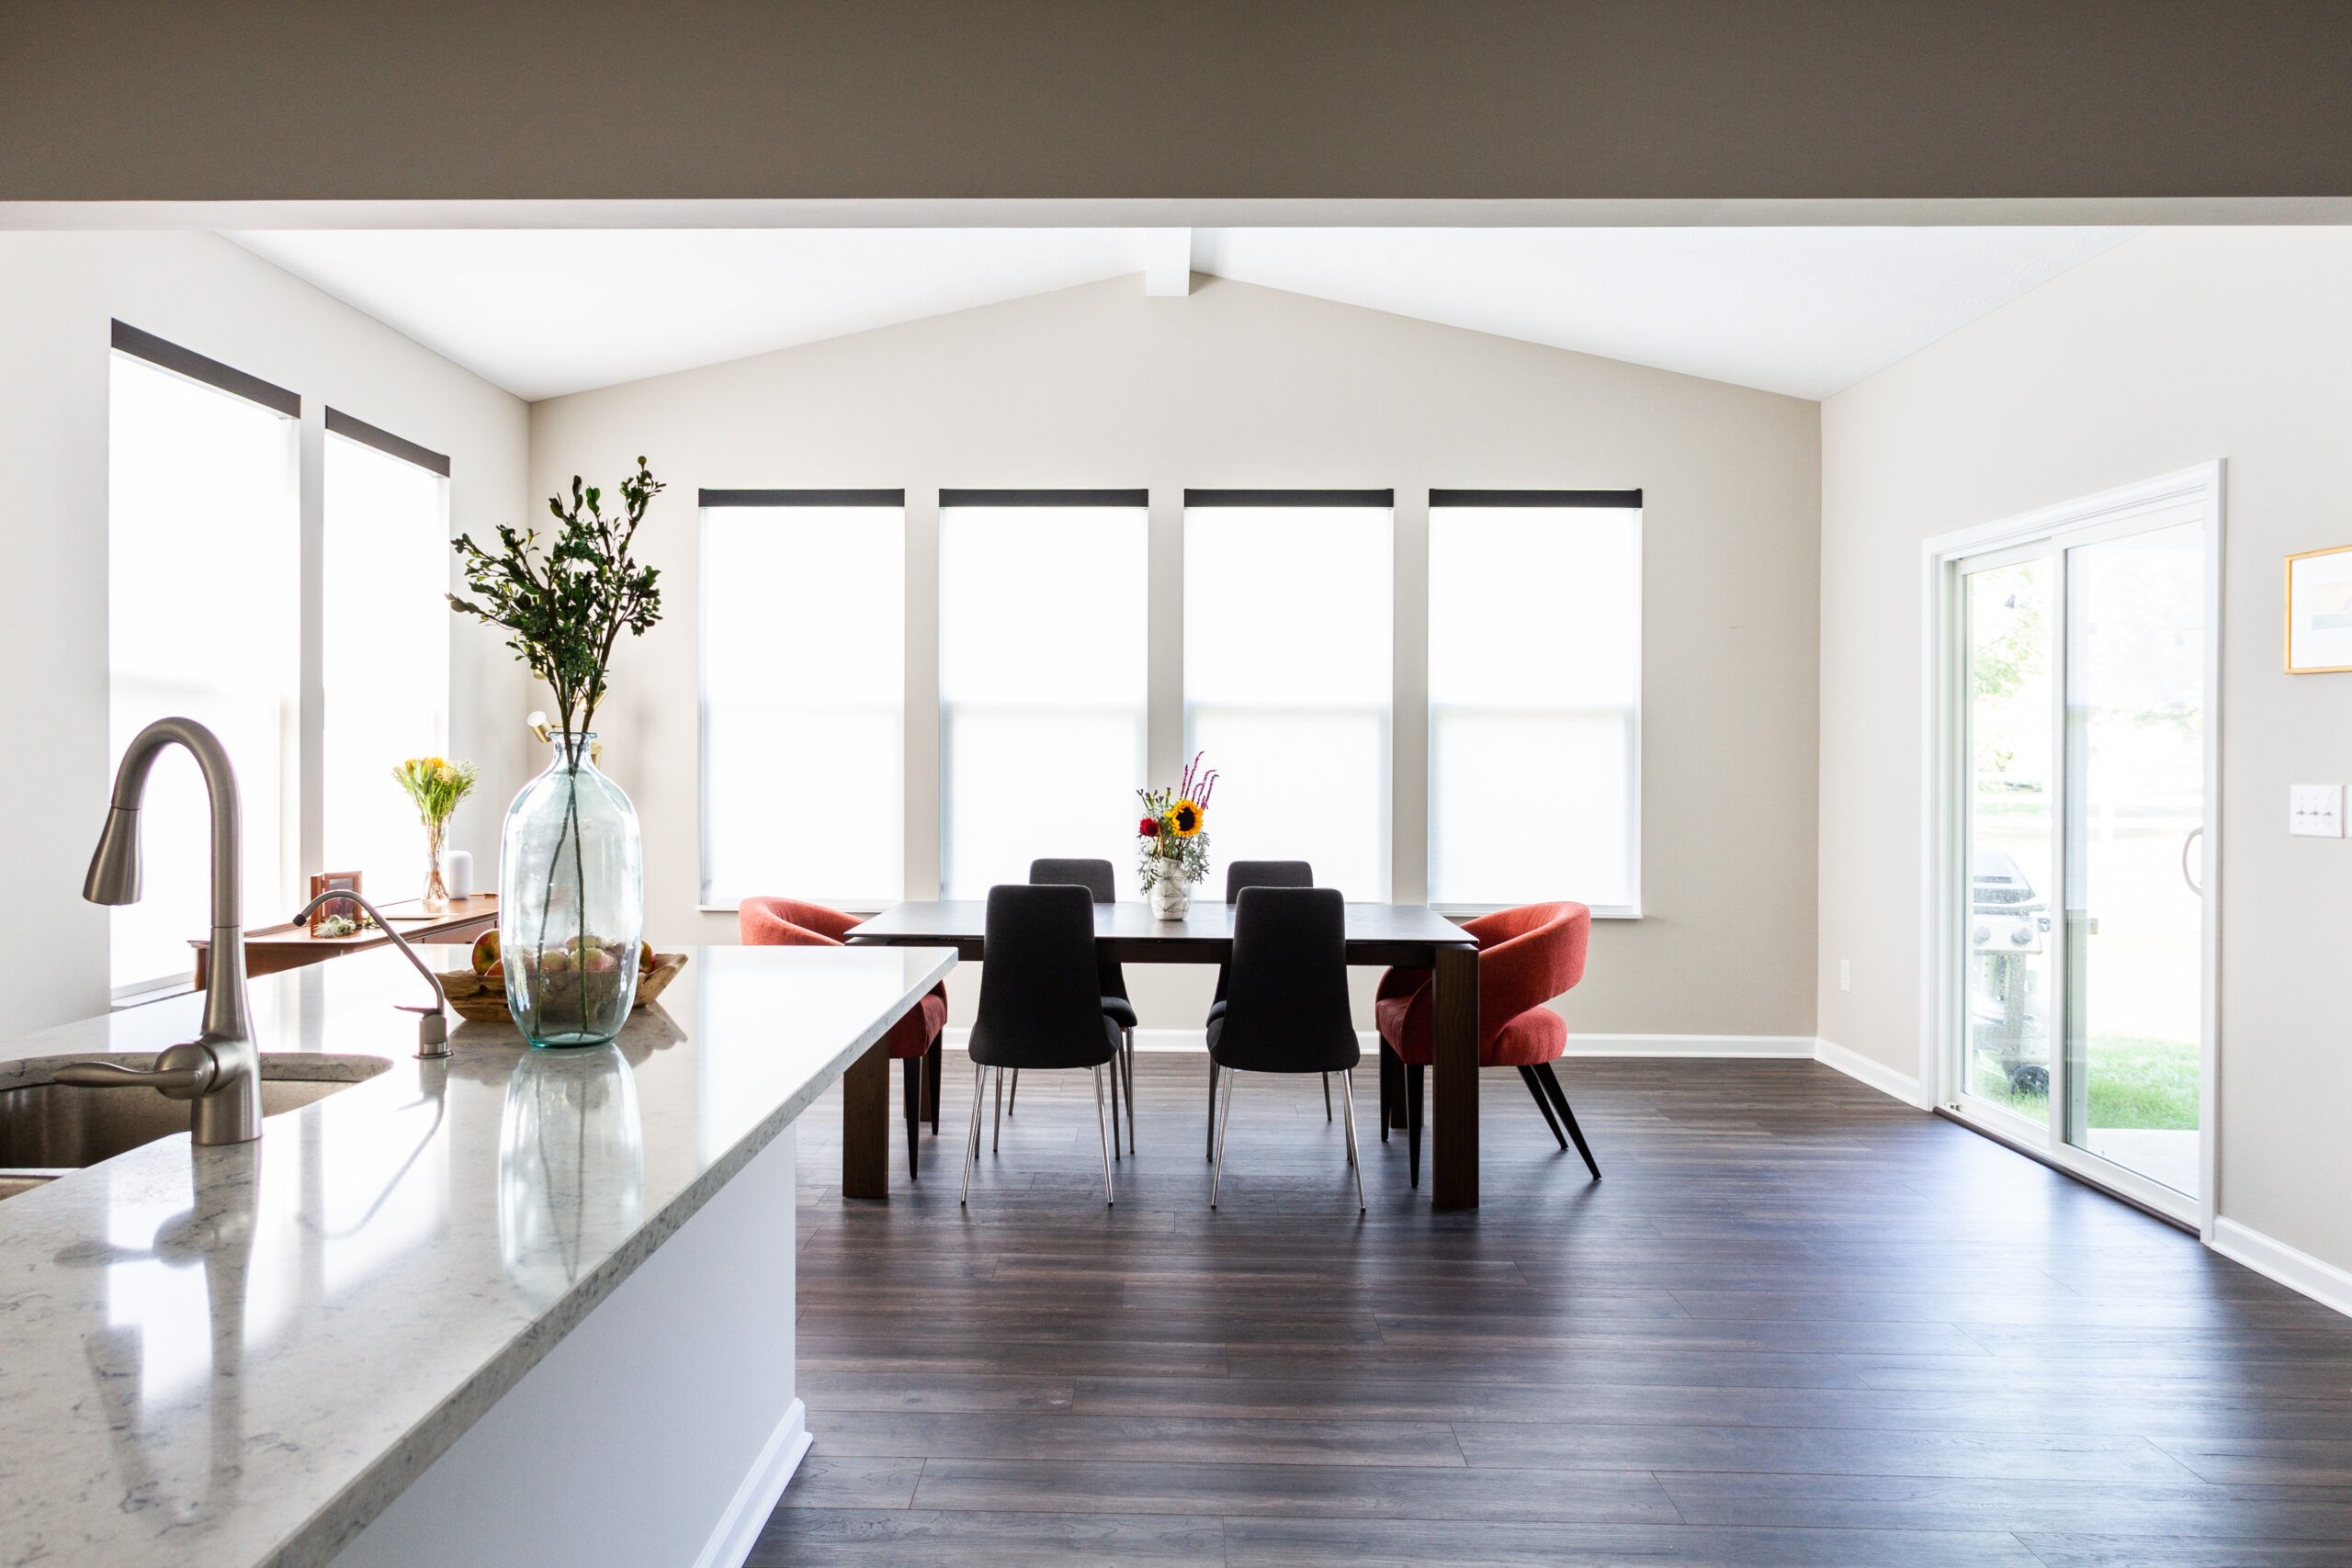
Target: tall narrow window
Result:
[1287, 676]
[1042, 679]
[804, 695]
[202, 593]
[386, 649]
[1536, 633]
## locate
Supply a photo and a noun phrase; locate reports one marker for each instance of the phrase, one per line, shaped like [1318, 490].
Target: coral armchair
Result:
[914, 1039]
[1526, 956]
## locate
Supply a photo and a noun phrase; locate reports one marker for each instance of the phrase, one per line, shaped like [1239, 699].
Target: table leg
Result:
[865, 1125]
[1454, 1121]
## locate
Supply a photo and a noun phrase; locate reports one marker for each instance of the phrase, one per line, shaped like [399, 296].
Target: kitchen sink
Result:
[49, 1129]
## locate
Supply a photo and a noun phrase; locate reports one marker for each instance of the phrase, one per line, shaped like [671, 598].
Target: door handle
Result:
[2194, 886]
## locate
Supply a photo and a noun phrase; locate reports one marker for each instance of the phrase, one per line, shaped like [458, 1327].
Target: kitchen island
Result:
[513, 1307]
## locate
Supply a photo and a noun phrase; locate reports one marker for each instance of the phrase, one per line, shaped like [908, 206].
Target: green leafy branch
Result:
[565, 606]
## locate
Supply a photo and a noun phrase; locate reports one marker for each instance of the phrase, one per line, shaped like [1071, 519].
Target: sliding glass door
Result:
[2010, 801]
[2078, 678]
[2136, 811]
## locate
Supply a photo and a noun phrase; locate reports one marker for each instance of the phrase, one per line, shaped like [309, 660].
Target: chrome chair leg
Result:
[972, 1140]
[1326, 1097]
[1348, 1087]
[1129, 1053]
[1102, 1131]
[1225, 1116]
[1115, 1103]
[1016, 1095]
[996, 1133]
[1210, 1153]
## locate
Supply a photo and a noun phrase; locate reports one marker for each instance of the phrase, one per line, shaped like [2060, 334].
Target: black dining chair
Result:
[1097, 877]
[1286, 1002]
[1039, 1004]
[1244, 873]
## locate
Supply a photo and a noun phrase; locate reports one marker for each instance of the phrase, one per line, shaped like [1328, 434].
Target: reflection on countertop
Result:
[222, 1355]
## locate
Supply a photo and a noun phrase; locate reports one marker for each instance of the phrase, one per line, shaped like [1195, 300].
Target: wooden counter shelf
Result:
[269, 949]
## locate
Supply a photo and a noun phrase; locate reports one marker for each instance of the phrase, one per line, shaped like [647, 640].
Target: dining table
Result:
[1404, 935]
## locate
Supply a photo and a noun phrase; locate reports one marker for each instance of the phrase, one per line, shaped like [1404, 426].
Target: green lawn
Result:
[2134, 1082]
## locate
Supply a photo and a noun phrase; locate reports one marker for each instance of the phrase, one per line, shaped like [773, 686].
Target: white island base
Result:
[662, 1429]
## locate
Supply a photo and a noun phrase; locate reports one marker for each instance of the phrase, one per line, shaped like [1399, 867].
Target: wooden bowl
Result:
[483, 1000]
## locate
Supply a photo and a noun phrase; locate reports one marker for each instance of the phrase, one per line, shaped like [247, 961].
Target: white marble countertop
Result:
[239, 1356]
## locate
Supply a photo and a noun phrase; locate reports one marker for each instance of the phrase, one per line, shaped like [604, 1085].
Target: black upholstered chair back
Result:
[1286, 1010]
[1039, 1007]
[1097, 877]
[1244, 873]
[1094, 875]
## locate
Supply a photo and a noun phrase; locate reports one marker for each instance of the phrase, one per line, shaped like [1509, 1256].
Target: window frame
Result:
[186, 364]
[359, 431]
[1125, 498]
[1548, 499]
[708, 501]
[1382, 502]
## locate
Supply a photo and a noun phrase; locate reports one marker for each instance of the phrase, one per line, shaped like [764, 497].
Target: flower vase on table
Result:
[1175, 851]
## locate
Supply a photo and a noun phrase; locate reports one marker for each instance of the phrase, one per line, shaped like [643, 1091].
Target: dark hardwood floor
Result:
[1797, 1322]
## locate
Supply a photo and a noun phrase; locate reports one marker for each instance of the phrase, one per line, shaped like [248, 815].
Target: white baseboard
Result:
[1690, 1046]
[738, 1530]
[2296, 1269]
[1870, 1070]
[1784, 1045]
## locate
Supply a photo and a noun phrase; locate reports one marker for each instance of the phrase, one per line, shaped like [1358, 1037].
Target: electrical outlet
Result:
[2316, 811]
[1845, 974]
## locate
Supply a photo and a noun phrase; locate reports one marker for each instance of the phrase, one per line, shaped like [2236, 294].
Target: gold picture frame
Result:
[2319, 612]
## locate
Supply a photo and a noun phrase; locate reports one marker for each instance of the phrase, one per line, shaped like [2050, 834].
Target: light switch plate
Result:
[2316, 811]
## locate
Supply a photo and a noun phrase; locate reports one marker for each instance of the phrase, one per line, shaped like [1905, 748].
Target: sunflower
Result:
[1184, 818]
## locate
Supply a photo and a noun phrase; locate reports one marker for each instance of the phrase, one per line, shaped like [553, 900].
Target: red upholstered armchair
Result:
[1526, 956]
[914, 1039]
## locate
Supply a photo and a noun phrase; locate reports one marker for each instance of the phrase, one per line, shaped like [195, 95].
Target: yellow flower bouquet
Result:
[435, 785]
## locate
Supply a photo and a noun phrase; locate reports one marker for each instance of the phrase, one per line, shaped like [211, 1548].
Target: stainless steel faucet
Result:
[220, 1069]
[432, 1024]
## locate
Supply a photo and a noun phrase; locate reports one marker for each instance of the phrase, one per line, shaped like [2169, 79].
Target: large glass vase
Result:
[571, 902]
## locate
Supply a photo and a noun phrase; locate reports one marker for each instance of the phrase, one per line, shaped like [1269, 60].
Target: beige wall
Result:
[58, 293]
[1242, 385]
[2178, 347]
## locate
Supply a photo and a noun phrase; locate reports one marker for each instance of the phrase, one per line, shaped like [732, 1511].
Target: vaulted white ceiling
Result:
[1802, 311]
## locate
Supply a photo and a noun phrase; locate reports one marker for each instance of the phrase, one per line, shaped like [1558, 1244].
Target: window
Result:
[202, 596]
[803, 695]
[1287, 676]
[1042, 679]
[1535, 628]
[384, 646]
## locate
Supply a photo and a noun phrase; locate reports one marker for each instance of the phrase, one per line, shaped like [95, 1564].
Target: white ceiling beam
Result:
[1167, 262]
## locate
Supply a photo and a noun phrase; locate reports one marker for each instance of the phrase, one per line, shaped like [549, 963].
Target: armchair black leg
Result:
[1397, 1101]
[1560, 1101]
[1542, 1102]
[911, 1078]
[934, 1064]
[1413, 1122]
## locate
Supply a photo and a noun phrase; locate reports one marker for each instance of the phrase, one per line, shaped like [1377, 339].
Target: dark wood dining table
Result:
[1411, 935]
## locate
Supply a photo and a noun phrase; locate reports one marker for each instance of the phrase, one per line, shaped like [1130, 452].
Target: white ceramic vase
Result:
[1172, 896]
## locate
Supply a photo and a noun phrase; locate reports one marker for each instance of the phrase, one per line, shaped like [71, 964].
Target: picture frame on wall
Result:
[2319, 612]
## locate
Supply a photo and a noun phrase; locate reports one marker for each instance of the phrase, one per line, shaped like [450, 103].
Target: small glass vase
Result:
[571, 902]
[437, 887]
[1172, 896]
